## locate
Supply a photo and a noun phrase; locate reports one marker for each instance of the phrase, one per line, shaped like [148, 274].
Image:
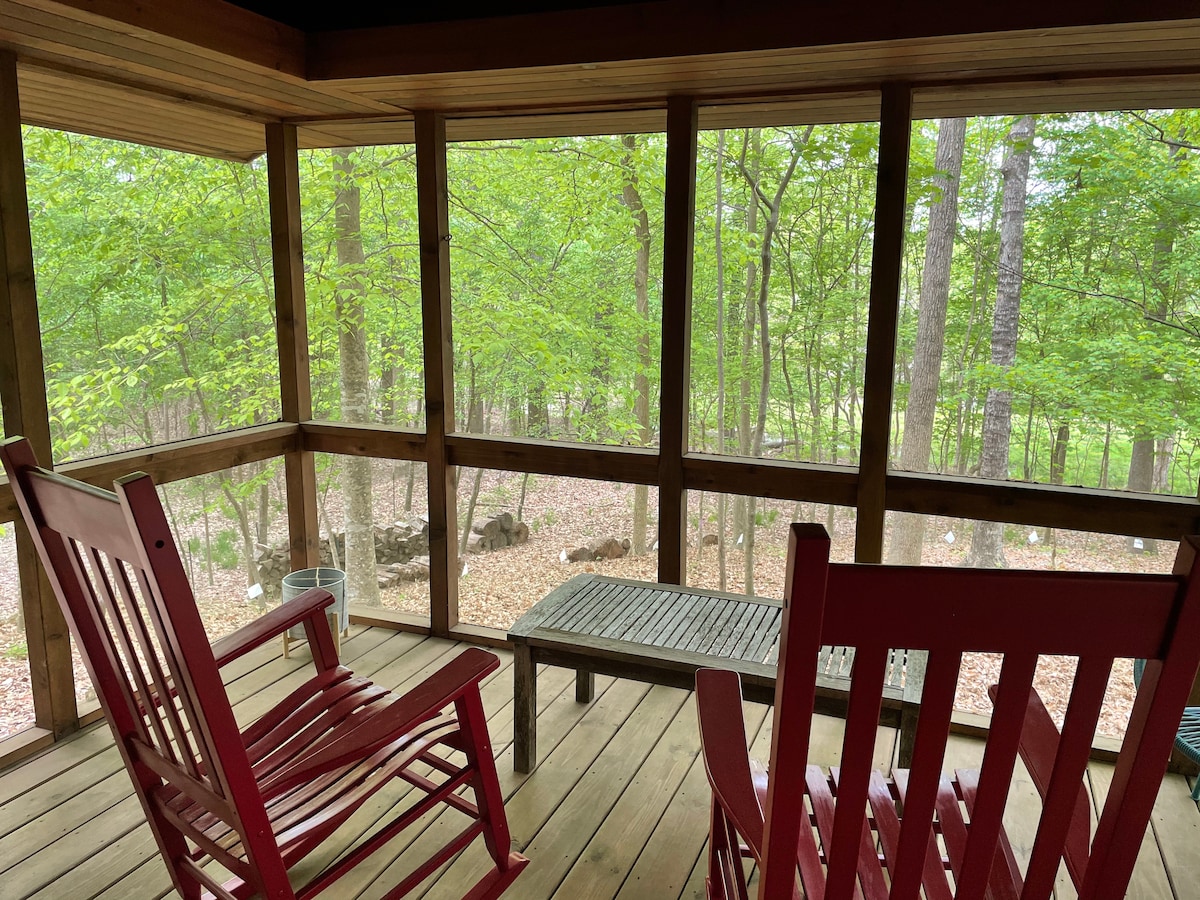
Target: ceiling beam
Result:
[674, 28]
[212, 24]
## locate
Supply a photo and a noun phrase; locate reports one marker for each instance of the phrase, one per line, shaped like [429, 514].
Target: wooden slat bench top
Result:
[719, 626]
[662, 634]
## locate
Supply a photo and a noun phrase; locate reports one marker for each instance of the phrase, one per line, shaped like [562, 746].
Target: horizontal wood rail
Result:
[1079, 508]
[1016, 503]
[630, 465]
[177, 460]
[379, 441]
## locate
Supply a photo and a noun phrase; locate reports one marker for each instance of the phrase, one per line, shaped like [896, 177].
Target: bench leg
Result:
[524, 710]
[585, 686]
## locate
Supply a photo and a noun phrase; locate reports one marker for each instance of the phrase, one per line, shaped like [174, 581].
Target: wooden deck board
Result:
[600, 870]
[617, 808]
[1150, 877]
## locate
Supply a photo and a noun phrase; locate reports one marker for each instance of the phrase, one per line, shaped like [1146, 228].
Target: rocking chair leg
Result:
[473, 725]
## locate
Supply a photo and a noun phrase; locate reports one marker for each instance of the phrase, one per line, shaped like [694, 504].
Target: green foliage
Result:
[17, 650]
[225, 549]
[155, 286]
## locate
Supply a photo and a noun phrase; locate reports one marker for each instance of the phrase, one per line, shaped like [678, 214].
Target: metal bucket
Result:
[332, 580]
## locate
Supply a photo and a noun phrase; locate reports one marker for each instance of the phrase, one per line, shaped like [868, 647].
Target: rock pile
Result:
[602, 548]
[401, 553]
[401, 550]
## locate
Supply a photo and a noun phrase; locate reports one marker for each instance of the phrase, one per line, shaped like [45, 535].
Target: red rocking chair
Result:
[258, 800]
[850, 831]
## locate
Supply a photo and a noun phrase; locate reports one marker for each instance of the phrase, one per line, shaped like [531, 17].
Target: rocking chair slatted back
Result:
[926, 842]
[254, 801]
[112, 559]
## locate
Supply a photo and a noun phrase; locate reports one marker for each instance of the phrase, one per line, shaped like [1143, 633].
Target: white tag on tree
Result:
[255, 590]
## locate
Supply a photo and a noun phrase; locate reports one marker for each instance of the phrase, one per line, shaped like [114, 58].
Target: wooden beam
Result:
[626, 465]
[291, 334]
[175, 461]
[23, 398]
[433, 226]
[364, 439]
[895, 129]
[221, 27]
[195, 456]
[1054, 506]
[678, 230]
[682, 28]
[776, 479]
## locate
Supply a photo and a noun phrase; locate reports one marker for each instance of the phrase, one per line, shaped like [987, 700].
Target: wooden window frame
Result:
[871, 488]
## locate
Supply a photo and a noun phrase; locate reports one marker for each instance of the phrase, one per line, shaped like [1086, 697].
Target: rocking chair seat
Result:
[308, 791]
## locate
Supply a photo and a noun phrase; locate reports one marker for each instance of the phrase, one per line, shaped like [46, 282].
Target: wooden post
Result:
[678, 229]
[524, 708]
[434, 236]
[291, 327]
[895, 129]
[23, 395]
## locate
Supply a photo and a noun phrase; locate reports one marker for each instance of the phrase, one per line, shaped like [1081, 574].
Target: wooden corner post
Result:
[895, 129]
[23, 395]
[678, 231]
[291, 329]
[433, 227]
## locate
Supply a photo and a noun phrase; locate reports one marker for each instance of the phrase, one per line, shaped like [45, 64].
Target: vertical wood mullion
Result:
[23, 395]
[291, 330]
[678, 228]
[434, 234]
[895, 129]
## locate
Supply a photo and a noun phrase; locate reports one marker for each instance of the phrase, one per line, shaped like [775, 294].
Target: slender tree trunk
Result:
[1163, 451]
[908, 530]
[743, 517]
[1142, 464]
[1058, 455]
[475, 425]
[354, 367]
[722, 498]
[757, 316]
[641, 280]
[987, 542]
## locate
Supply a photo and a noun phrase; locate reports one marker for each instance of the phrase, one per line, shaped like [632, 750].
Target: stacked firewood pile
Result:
[496, 533]
[401, 553]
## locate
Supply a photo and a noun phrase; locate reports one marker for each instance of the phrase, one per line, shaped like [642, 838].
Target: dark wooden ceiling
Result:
[317, 17]
[204, 76]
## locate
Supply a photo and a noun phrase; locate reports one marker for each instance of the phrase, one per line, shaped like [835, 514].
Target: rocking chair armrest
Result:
[731, 773]
[353, 741]
[274, 623]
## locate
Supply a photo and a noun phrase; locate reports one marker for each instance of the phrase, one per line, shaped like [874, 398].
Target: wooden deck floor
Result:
[617, 808]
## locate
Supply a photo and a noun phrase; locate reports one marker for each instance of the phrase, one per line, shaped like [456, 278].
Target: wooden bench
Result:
[663, 633]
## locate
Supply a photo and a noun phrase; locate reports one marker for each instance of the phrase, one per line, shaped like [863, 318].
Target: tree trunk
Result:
[908, 529]
[743, 518]
[722, 498]
[1142, 464]
[987, 541]
[641, 379]
[474, 426]
[354, 367]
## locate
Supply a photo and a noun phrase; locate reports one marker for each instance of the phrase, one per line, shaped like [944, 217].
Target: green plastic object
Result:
[1187, 739]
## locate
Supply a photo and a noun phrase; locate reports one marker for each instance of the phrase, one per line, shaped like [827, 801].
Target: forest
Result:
[1049, 331]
